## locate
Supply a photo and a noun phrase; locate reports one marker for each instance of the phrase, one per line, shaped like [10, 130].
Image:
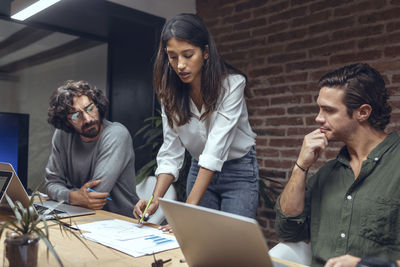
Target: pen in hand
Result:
[91, 190]
[145, 210]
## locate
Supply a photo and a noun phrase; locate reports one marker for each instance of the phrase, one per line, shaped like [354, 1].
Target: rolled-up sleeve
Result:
[223, 124]
[171, 154]
[291, 228]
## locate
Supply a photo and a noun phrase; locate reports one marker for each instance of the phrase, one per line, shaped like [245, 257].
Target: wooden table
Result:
[73, 253]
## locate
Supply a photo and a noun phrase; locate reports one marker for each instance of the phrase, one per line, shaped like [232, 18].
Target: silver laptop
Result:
[12, 186]
[209, 237]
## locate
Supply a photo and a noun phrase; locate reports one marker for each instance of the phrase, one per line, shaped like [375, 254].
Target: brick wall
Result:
[285, 46]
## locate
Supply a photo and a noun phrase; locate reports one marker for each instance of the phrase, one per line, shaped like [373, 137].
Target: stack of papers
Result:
[127, 237]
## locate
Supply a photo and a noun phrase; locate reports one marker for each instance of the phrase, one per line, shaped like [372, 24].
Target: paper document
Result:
[127, 237]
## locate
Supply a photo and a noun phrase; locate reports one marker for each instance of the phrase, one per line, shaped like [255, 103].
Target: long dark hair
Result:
[362, 84]
[172, 93]
[61, 103]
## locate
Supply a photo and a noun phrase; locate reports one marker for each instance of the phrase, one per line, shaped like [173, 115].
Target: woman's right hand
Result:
[140, 207]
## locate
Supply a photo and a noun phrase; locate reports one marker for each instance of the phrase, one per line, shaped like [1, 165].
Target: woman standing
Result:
[203, 111]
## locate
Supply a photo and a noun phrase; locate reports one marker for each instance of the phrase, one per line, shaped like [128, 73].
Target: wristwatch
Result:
[376, 262]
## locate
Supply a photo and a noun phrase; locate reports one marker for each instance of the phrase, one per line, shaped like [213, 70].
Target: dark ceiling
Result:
[67, 27]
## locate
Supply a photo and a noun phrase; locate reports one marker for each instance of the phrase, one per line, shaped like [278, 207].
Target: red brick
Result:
[264, 51]
[234, 56]
[243, 45]
[236, 18]
[308, 43]
[358, 7]
[271, 111]
[234, 37]
[332, 49]
[327, 4]
[393, 90]
[301, 131]
[221, 30]
[269, 29]
[286, 36]
[276, 80]
[256, 122]
[396, 78]
[310, 121]
[392, 26]
[392, 13]
[296, 99]
[393, 51]
[279, 164]
[271, 90]
[389, 39]
[267, 71]
[316, 75]
[311, 64]
[250, 24]
[311, 19]
[297, 77]
[303, 110]
[332, 25]
[248, 5]
[215, 12]
[356, 57]
[281, 121]
[267, 152]
[300, 2]
[304, 88]
[271, 173]
[357, 32]
[275, 142]
[270, 9]
[260, 141]
[291, 13]
[259, 102]
[289, 153]
[270, 132]
[286, 57]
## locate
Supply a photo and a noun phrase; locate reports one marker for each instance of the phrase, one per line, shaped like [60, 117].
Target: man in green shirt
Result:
[350, 209]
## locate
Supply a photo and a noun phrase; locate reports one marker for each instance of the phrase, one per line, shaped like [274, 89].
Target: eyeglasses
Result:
[77, 116]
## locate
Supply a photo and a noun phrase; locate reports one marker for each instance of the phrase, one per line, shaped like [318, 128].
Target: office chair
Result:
[299, 252]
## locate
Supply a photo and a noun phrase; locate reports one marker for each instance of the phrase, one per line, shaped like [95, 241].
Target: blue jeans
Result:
[234, 189]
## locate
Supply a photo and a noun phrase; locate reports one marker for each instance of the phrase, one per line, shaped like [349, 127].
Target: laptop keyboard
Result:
[41, 209]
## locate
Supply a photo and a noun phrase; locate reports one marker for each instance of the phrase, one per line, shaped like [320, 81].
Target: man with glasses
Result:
[92, 163]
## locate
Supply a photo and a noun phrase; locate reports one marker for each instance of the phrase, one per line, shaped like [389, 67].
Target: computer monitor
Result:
[14, 142]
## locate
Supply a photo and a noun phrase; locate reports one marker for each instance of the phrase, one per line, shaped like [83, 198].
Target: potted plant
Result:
[25, 229]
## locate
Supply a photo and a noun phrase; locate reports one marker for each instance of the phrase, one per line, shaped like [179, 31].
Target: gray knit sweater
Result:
[110, 158]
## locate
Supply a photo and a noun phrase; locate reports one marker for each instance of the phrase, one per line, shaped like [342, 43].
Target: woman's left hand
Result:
[165, 228]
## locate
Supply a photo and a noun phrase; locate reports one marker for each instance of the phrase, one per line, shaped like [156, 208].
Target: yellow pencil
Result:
[145, 210]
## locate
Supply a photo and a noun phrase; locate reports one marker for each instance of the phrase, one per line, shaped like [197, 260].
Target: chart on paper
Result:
[127, 237]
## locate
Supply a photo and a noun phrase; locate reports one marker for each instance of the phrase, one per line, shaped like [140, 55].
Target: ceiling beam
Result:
[66, 49]
[22, 39]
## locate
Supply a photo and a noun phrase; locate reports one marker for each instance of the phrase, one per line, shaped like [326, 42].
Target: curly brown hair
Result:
[362, 84]
[61, 103]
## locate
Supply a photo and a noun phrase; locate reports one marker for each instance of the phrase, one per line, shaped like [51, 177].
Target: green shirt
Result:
[343, 215]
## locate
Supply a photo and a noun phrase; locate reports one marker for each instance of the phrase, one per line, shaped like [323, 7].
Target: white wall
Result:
[31, 95]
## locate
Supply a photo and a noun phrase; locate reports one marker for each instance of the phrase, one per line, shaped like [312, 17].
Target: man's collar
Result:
[376, 153]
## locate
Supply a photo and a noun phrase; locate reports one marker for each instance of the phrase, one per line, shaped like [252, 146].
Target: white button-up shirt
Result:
[224, 135]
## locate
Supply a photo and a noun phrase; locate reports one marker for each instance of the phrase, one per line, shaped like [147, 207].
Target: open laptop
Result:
[12, 186]
[210, 237]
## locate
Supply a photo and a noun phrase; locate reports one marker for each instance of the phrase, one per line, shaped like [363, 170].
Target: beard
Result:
[90, 132]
